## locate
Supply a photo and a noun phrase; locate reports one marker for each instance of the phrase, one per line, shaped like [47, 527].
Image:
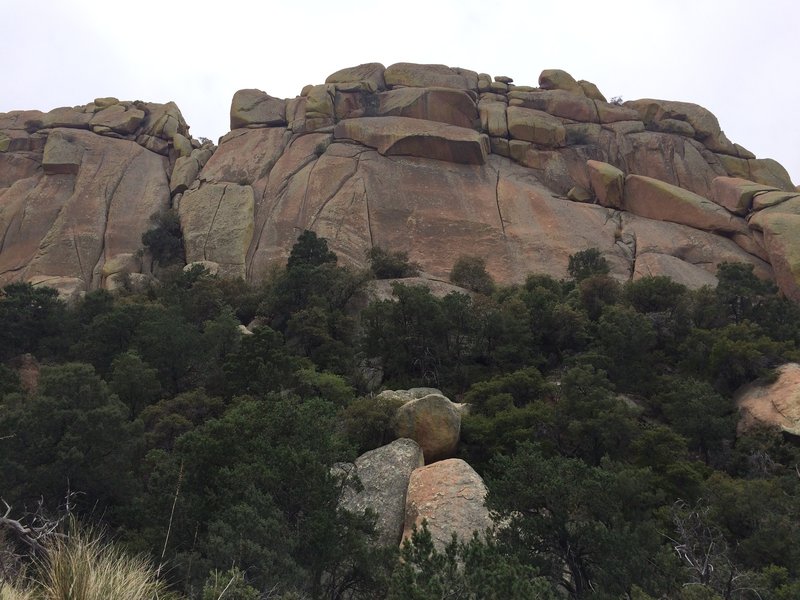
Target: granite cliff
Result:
[432, 160]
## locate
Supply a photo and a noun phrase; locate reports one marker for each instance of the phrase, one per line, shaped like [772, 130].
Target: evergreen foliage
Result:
[601, 415]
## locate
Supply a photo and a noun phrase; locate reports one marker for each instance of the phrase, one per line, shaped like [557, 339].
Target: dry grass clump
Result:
[81, 566]
[10, 592]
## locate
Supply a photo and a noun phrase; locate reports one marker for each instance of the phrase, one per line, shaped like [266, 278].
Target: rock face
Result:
[449, 495]
[384, 474]
[433, 422]
[776, 405]
[435, 161]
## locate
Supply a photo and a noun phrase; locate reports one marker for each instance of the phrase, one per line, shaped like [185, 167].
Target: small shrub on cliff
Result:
[165, 240]
[470, 272]
[391, 265]
[587, 263]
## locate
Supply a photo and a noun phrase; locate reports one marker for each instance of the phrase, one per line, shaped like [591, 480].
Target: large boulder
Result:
[535, 126]
[254, 108]
[383, 476]
[655, 199]
[608, 183]
[367, 77]
[774, 405]
[416, 137]
[449, 495]
[442, 105]
[434, 422]
[415, 75]
[737, 194]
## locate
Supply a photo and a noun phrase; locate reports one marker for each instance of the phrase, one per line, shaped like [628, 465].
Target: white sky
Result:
[738, 58]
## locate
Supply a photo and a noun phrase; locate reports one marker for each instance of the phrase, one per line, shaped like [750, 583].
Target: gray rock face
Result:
[384, 474]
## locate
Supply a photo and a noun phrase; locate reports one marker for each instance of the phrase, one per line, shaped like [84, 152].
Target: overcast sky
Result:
[738, 58]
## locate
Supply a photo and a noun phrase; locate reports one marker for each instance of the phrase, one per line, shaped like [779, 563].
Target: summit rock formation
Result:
[435, 161]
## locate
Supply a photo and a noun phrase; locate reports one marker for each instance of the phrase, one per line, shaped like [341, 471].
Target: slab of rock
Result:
[556, 79]
[782, 242]
[416, 75]
[608, 183]
[704, 124]
[442, 105]
[217, 224]
[558, 103]
[535, 126]
[93, 203]
[62, 154]
[737, 194]
[493, 118]
[119, 119]
[254, 108]
[384, 475]
[416, 137]
[434, 422]
[367, 77]
[654, 199]
[449, 495]
[762, 200]
[775, 405]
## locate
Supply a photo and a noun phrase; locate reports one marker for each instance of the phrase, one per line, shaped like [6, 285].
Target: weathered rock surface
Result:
[428, 159]
[775, 405]
[450, 496]
[404, 136]
[384, 475]
[434, 422]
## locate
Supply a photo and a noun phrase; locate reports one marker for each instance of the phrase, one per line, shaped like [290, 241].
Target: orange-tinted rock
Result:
[737, 194]
[558, 103]
[416, 137]
[62, 227]
[433, 422]
[683, 252]
[659, 200]
[442, 105]
[449, 495]
[775, 405]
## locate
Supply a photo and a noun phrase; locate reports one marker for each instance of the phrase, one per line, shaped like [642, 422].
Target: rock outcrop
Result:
[449, 495]
[383, 476]
[775, 405]
[434, 422]
[435, 161]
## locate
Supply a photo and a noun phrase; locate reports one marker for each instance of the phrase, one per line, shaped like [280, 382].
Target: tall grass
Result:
[81, 566]
[10, 592]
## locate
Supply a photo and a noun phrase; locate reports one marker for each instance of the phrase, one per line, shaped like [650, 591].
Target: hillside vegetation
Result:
[601, 417]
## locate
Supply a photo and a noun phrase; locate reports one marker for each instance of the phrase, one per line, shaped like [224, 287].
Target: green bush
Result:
[470, 272]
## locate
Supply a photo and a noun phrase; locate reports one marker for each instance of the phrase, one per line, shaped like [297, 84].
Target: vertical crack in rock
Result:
[369, 217]
[109, 199]
[497, 201]
[344, 182]
[213, 220]
[279, 195]
[76, 246]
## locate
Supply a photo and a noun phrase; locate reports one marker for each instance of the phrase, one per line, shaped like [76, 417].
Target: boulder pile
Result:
[435, 161]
